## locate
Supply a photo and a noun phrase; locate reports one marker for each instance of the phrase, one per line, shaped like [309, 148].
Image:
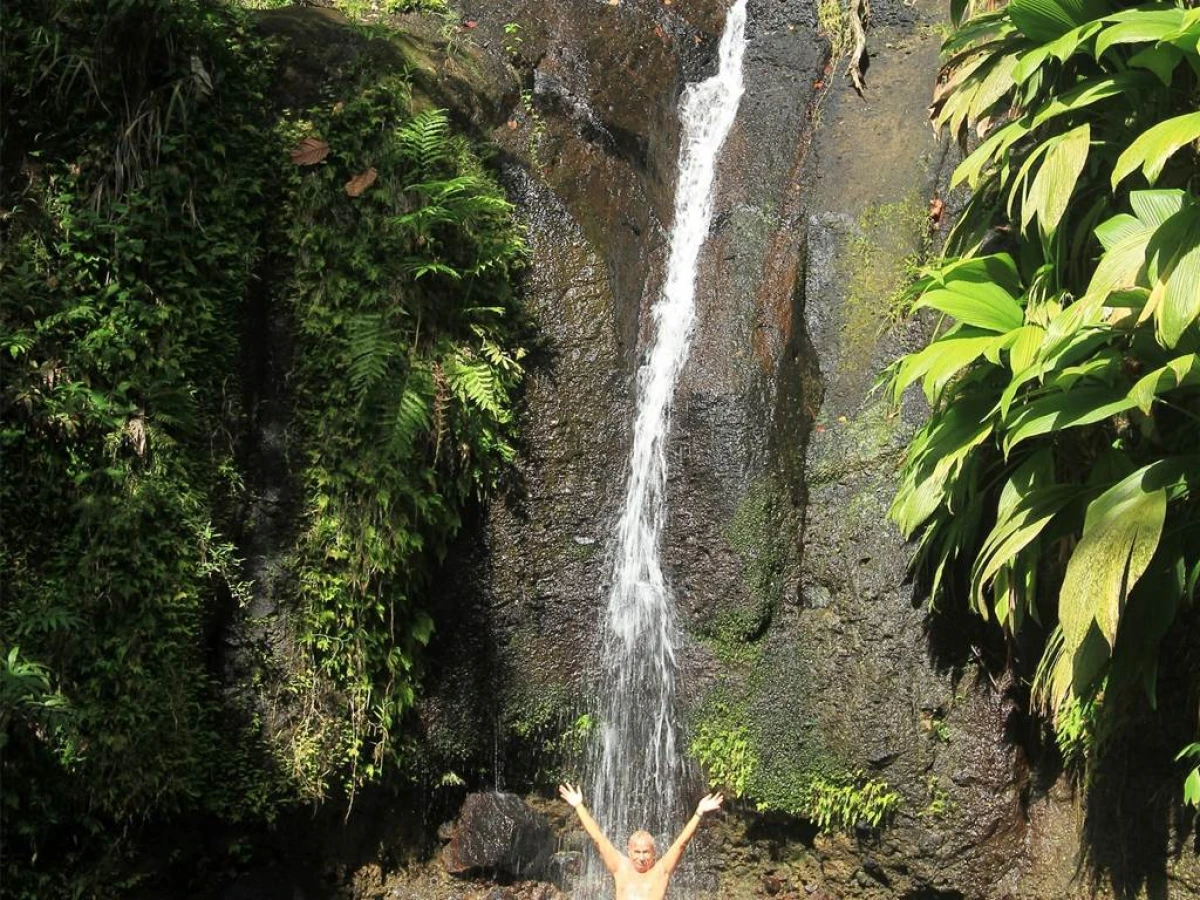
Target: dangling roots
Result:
[860, 10]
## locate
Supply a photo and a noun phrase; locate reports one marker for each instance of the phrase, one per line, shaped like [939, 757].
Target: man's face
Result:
[641, 853]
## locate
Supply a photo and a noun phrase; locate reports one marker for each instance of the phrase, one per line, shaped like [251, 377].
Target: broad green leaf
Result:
[1161, 60]
[1155, 146]
[1045, 20]
[1037, 471]
[1173, 267]
[988, 26]
[940, 361]
[997, 269]
[1148, 615]
[1089, 662]
[1124, 239]
[1154, 207]
[422, 628]
[1102, 367]
[1059, 411]
[1191, 788]
[1055, 180]
[1147, 25]
[1120, 534]
[1068, 328]
[1083, 95]
[1024, 349]
[1055, 350]
[936, 454]
[986, 306]
[1181, 371]
[1187, 37]
[1061, 48]
[1016, 528]
[1020, 186]
[997, 84]
[1114, 230]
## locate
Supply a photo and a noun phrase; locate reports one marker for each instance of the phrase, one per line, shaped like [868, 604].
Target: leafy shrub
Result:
[407, 360]
[144, 176]
[1056, 478]
[724, 751]
[842, 804]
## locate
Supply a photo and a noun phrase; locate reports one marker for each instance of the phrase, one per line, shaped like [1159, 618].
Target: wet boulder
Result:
[564, 868]
[498, 833]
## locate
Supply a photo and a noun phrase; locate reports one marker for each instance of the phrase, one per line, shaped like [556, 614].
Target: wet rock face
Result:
[802, 628]
[594, 146]
[498, 833]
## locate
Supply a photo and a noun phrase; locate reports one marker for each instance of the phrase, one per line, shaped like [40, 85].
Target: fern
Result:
[425, 140]
[372, 348]
[413, 417]
[476, 382]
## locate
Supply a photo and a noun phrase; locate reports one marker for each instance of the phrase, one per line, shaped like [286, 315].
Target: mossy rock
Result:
[322, 54]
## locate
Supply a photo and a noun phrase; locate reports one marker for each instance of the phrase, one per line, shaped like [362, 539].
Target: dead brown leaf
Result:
[360, 182]
[309, 152]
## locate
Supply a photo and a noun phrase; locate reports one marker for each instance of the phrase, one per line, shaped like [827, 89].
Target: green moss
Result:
[364, 10]
[857, 442]
[575, 547]
[833, 20]
[758, 739]
[938, 802]
[763, 533]
[544, 732]
[878, 264]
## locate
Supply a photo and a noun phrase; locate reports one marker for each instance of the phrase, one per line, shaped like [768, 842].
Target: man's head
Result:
[642, 850]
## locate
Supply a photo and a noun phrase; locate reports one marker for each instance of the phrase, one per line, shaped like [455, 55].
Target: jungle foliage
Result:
[147, 196]
[1054, 485]
[406, 363]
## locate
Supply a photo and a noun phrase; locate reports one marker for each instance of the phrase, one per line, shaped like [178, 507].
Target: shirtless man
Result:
[637, 875]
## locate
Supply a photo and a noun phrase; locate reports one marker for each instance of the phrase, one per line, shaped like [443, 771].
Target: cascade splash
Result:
[639, 763]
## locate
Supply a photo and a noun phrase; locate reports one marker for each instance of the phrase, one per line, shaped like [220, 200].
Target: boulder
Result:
[564, 868]
[499, 833]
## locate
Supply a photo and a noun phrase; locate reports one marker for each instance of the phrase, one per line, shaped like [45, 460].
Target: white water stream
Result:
[640, 763]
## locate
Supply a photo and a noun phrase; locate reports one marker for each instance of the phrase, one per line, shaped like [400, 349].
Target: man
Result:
[637, 875]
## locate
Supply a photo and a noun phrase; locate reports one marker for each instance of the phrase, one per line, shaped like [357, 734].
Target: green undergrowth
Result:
[407, 360]
[148, 199]
[364, 10]
[801, 779]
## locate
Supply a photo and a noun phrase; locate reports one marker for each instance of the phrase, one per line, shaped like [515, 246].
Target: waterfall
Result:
[640, 763]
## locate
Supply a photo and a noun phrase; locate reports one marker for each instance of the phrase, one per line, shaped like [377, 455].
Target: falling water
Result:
[640, 765]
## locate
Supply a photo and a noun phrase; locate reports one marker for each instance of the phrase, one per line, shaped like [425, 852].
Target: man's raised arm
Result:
[608, 853]
[672, 857]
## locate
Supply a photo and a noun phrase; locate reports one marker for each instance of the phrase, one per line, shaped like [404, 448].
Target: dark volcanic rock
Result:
[498, 833]
[564, 868]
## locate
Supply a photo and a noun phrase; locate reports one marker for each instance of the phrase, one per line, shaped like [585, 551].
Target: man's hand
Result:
[571, 794]
[709, 803]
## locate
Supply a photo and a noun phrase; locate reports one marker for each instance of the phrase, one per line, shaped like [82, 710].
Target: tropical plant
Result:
[1056, 478]
[841, 804]
[724, 751]
[401, 251]
[134, 154]
[146, 199]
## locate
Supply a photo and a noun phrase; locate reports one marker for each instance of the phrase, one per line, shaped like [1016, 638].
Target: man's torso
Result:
[633, 885]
